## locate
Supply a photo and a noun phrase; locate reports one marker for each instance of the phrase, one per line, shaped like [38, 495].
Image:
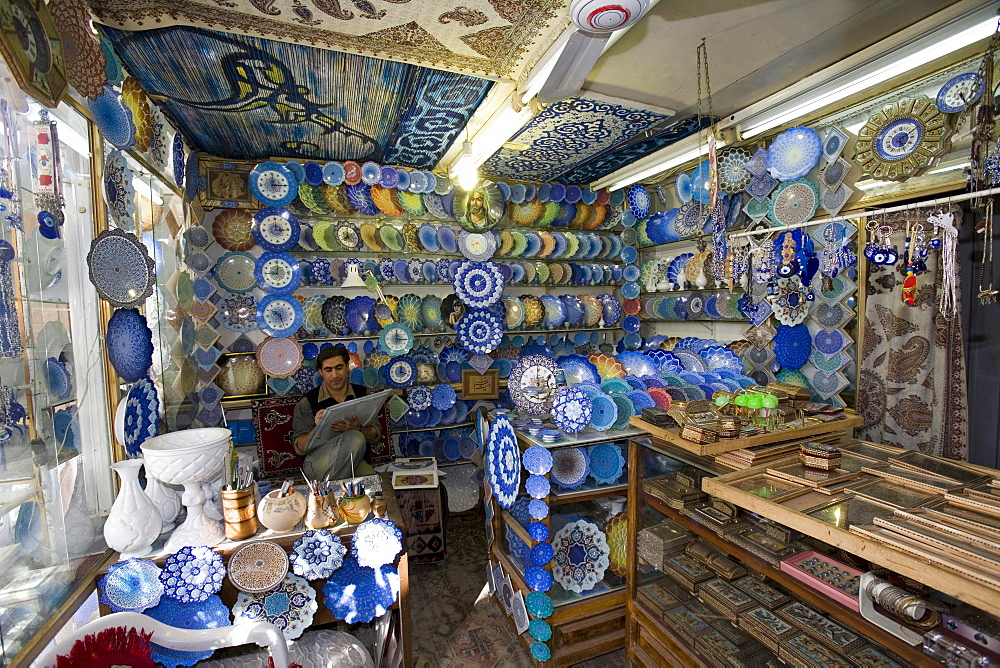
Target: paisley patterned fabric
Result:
[912, 388]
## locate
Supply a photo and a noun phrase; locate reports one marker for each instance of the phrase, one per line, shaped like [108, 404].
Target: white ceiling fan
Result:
[596, 20]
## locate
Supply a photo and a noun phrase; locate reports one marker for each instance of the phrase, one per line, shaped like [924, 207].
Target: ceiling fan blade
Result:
[574, 65]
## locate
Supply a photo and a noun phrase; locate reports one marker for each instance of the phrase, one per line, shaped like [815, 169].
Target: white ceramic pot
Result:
[134, 521]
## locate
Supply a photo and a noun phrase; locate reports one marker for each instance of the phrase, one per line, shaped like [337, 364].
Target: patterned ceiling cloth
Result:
[567, 134]
[912, 389]
[240, 97]
[487, 38]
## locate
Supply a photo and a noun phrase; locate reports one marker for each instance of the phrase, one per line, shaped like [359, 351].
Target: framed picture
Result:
[39, 70]
[507, 594]
[476, 386]
[520, 613]
[226, 184]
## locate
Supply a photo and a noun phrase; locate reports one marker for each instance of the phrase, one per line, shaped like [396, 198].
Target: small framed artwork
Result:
[476, 386]
[226, 184]
[520, 613]
[410, 480]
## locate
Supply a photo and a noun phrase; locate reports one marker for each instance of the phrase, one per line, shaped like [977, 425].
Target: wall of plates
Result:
[462, 293]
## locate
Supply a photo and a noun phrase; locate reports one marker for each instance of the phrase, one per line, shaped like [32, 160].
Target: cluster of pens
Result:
[239, 473]
[239, 508]
[321, 511]
[352, 489]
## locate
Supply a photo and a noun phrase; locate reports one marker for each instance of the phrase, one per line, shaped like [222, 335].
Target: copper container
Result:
[239, 510]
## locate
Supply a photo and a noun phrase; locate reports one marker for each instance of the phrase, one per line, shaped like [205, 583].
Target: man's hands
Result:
[347, 424]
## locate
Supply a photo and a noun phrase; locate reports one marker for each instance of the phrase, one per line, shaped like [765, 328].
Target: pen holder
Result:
[355, 509]
[281, 513]
[239, 510]
[319, 513]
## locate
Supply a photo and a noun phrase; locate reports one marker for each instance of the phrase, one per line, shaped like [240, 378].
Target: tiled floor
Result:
[454, 622]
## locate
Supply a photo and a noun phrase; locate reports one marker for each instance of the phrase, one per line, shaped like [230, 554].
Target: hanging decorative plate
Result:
[718, 357]
[605, 412]
[118, 190]
[833, 201]
[479, 330]
[121, 268]
[357, 594]
[419, 397]
[683, 187]
[532, 383]
[376, 542]
[132, 585]
[571, 409]
[333, 173]
[275, 229]
[279, 315]
[689, 220]
[790, 300]
[792, 346]
[606, 463]
[578, 369]
[537, 460]
[794, 202]
[232, 229]
[279, 357]
[396, 339]
[129, 344]
[478, 284]
[359, 313]
[503, 461]
[273, 184]
[257, 566]
[290, 606]
[481, 208]
[901, 139]
[443, 397]
[192, 574]
[237, 312]
[761, 186]
[638, 200]
[581, 556]
[960, 92]
[833, 173]
[277, 273]
[827, 384]
[733, 176]
[57, 378]
[570, 467]
[794, 153]
[476, 246]
[400, 372]
[113, 118]
[142, 414]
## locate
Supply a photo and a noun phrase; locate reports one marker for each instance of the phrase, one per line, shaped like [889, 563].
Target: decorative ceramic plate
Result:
[277, 273]
[833, 143]
[826, 342]
[578, 369]
[258, 566]
[479, 284]
[279, 315]
[532, 383]
[142, 414]
[210, 613]
[570, 467]
[57, 378]
[273, 184]
[232, 229]
[132, 585]
[733, 176]
[396, 339]
[419, 397]
[571, 409]
[358, 595]
[581, 556]
[504, 462]
[481, 208]
[275, 229]
[118, 190]
[901, 139]
[537, 460]
[360, 315]
[192, 574]
[794, 202]
[376, 542]
[121, 268]
[480, 330]
[400, 372]
[790, 301]
[129, 344]
[279, 357]
[638, 201]
[792, 346]
[443, 397]
[290, 606]
[794, 153]
[606, 463]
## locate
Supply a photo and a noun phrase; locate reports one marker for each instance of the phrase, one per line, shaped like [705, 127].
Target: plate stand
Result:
[198, 528]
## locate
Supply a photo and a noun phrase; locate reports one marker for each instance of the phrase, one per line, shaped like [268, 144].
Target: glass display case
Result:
[55, 481]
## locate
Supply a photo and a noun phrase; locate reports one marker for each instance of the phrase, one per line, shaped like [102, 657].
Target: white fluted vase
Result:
[135, 521]
[166, 498]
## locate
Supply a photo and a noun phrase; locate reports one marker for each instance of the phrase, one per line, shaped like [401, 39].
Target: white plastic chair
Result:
[263, 634]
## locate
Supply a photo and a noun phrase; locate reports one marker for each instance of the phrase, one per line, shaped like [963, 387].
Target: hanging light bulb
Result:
[465, 169]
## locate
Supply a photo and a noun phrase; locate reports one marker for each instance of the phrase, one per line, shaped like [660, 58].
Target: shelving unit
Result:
[583, 626]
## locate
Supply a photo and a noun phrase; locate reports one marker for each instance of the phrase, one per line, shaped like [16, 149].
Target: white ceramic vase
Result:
[166, 498]
[134, 521]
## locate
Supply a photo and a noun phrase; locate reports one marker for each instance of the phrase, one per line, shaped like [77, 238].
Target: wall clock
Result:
[902, 139]
[32, 49]
[275, 229]
[273, 184]
[960, 92]
[396, 339]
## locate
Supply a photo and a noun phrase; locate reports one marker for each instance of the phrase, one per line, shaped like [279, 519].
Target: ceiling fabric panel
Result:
[488, 38]
[240, 97]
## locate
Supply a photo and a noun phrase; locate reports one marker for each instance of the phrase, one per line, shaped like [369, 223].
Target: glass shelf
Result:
[512, 332]
[426, 254]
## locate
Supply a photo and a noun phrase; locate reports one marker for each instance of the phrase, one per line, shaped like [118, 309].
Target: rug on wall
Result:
[912, 386]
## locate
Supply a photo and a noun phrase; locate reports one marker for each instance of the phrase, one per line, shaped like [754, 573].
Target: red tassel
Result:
[117, 646]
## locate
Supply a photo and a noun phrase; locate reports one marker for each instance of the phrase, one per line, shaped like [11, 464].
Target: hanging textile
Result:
[912, 385]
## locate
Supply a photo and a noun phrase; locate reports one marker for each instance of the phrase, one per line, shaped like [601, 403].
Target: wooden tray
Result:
[672, 435]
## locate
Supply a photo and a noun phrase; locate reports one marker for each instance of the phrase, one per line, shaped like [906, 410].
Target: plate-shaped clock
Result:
[902, 139]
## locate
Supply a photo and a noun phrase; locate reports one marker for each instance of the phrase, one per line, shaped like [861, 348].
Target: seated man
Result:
[334, 458]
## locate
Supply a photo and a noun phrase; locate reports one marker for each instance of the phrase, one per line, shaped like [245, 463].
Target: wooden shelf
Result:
[978, 594]
[672, 435]
[839, 612]
[558, 498]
